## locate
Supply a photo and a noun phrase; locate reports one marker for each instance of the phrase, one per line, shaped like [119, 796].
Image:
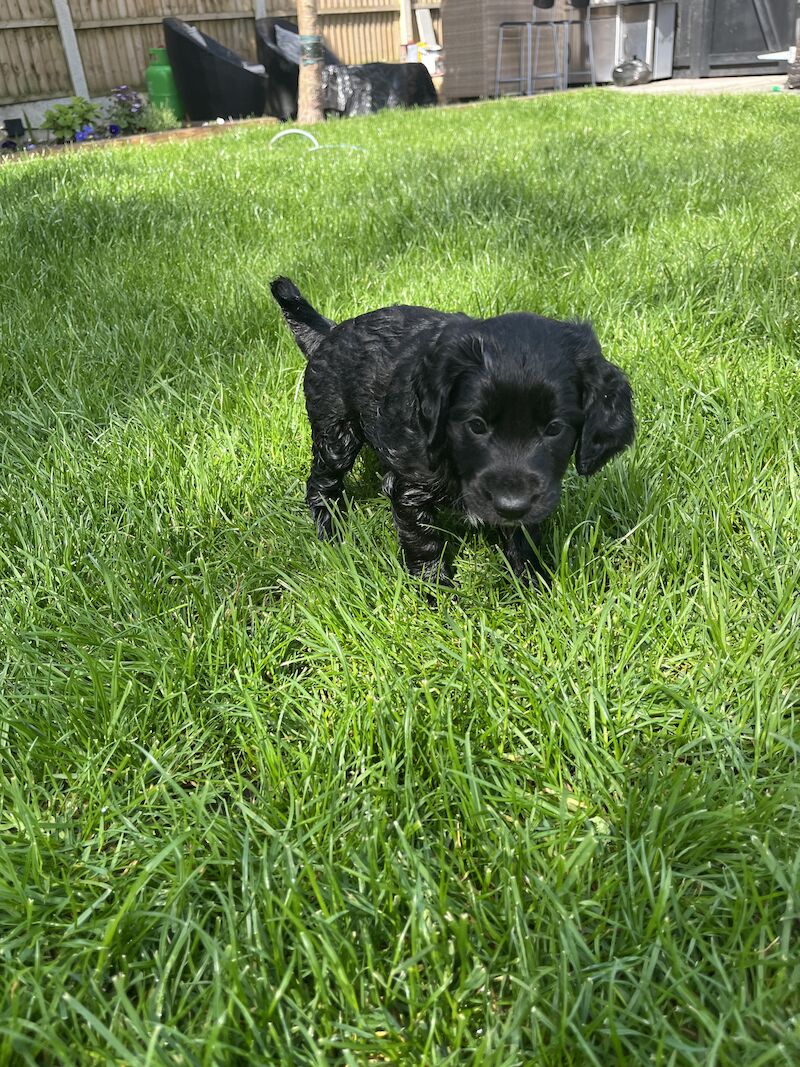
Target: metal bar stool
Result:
[528, 35]
[521, 32]
[559, 72]
[563, 26]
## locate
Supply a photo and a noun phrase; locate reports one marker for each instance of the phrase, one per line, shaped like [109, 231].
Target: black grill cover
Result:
[360, 90]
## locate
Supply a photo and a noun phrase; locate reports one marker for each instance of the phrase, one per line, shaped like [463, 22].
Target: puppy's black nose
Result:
[511, 505]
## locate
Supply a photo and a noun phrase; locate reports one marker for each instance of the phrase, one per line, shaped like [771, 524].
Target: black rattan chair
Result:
[278, 47]
[213, 81]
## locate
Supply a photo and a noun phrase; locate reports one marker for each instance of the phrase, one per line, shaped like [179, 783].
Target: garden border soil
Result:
[180, 133]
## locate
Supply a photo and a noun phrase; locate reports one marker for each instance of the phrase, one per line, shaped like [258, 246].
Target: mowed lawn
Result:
[262, 803]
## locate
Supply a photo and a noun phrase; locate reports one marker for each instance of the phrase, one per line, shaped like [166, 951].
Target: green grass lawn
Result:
[261, 803]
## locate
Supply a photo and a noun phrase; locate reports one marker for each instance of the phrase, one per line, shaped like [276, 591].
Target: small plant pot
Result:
[15, 129]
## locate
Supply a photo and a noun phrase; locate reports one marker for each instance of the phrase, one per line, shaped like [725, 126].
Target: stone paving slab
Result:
[751, 83]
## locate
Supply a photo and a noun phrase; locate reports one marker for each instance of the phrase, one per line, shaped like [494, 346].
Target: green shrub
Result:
[157, 117]
[73, 121]
[125, 113]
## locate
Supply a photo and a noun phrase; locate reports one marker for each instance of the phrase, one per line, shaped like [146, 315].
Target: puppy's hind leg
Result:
[334, 450]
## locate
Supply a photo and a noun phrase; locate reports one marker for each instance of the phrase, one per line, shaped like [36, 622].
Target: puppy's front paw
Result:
[435, 572]
[522, 551]
[328, 522]
[531, 576]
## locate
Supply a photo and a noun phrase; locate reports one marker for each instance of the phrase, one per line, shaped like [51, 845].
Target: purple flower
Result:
[113, 129]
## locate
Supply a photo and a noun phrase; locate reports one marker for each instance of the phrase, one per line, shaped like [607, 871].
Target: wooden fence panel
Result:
[117, 56]
[26, 10]
[104, 12]
[362, 38]
[32, 61]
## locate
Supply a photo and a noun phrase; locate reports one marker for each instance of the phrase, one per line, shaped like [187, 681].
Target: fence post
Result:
[406, 26]
[69, 43]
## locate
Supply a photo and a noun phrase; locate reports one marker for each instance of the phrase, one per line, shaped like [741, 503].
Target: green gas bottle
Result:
[161, 87]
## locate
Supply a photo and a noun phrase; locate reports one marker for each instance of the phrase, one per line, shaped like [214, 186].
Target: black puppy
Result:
[476, 415]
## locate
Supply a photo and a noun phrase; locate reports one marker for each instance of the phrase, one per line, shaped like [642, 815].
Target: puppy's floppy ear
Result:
[455, 351]
[608, 422]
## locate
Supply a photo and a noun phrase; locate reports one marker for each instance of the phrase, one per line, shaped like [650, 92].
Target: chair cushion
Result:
[195, 35]
[288, 43]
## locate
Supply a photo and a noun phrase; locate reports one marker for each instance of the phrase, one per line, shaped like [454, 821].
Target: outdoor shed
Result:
[725, 37]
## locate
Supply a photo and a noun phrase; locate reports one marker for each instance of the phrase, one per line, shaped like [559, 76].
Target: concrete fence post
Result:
[69, 43]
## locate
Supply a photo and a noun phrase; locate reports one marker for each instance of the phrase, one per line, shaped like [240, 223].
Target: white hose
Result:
[316, 146]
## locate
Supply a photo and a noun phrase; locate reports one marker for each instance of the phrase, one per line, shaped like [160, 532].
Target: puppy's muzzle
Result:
[512, 506]
[511, 503]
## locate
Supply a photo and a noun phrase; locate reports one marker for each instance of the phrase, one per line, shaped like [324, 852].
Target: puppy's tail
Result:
[307, 325]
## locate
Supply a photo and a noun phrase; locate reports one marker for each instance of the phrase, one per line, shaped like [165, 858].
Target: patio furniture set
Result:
[215, 82]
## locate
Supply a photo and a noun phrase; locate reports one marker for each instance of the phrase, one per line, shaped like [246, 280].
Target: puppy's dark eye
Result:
[478, 427]
[554, 428]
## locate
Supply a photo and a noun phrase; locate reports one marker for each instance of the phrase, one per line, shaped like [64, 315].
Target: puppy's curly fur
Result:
[477, 415]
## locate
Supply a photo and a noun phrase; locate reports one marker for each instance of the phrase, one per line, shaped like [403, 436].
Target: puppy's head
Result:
[506, 401]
